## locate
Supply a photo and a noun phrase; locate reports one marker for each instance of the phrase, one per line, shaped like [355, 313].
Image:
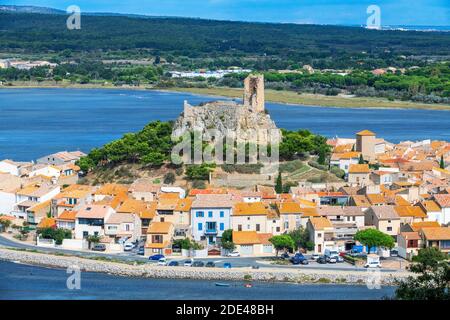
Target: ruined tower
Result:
[254, 92]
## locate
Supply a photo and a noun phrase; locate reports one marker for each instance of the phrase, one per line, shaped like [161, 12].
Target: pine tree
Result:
[442, 163]
[279, 184]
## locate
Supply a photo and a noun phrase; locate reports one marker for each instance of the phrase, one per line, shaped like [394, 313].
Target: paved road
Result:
[236, 262]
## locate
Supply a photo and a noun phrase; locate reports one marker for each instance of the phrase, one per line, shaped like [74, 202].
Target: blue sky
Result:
[393, 12]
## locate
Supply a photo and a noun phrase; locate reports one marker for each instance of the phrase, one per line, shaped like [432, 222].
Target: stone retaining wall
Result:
[237, 274]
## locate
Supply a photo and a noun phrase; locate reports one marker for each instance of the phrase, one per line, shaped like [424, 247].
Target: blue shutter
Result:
[200, 226]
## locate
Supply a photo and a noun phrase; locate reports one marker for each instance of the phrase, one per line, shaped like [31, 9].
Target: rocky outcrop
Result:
[226, 118]
[243, 122]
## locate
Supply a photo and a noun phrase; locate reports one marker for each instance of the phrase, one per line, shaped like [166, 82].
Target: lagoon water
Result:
[36, 122]
[18, 281]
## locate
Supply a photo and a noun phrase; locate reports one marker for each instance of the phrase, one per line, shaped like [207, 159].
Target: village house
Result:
[159, 238]
[354, 214]
[432, 210]
[409, 244]
[123, 226]
[66, 220]
[410, 214]
[110, 190]
[290, 215]
[384, 176]
[31, 195]
[252, 243]
[384, 218]
[18, 169]
[321, 233]
[182, 221]
[90, 220]
[60, 158]
[443, 201]
[358, 175]
[210, 217]
[365, 144]
[250, 216]
[71, 198]
[8, 185]
[438, 237]
[143, 189]
[37, 212]
[344, 160]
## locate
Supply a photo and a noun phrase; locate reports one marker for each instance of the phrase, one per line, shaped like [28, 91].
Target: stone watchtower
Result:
[254, 92]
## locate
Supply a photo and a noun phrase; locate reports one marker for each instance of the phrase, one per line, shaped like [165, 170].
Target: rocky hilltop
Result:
[248, 121]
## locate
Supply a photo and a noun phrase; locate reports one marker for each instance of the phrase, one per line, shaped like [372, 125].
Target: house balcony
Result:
[210, 231]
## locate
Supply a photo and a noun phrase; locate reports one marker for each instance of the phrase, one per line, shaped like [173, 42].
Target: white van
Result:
[332, 253]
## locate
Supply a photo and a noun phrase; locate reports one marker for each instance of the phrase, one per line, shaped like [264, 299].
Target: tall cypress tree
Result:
[442, 163]
[361, 159]
[279, 184]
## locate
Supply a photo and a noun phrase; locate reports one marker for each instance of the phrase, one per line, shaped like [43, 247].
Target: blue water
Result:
[36, 122]
[19, 281]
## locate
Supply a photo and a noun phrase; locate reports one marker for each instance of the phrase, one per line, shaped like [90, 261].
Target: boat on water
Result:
[219, 284]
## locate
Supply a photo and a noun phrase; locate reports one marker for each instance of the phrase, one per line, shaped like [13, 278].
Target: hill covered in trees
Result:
[224, 43]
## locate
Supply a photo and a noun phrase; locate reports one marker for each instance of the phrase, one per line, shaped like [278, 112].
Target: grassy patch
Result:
[291, 97]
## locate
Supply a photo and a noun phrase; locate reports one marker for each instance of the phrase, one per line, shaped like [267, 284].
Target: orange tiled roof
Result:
[47, 223]
[400, 201]
[443, 200]
[410, 211]
[359, 168]
[245, 237]
[288, 207]
[249, 208]
[320, 223]
[416, 226]
[67, 215]
[112, 189]
[431, 206]
[184, 204]
[440, 233]
[159, 227]
[361, 200]
[365, 133]
[376, 198]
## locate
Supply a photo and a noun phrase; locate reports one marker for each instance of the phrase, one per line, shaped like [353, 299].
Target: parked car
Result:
[188, 263]
[198, 264]
[314, 256]
[299, 258]
[141, 251]
[128, 246]
[321, 260]
[339, 258]
[284, 255]
[173, 263]
[233, 254]
[227, 265]
[162, 262]
[394, 253]
[210, 264]
[156, 257]
[99, 247]
[331, 259]
[373, 264]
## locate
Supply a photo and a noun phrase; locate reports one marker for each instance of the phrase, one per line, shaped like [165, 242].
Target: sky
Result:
[347, 12]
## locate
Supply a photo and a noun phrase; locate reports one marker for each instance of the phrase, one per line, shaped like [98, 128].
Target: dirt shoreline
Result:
[283, 97]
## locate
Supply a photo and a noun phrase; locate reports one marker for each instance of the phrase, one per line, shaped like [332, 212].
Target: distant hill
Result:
[26, 29]
[30, 9]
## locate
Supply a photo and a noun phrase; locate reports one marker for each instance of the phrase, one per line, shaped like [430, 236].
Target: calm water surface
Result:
[19, 281]
[35, 122]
